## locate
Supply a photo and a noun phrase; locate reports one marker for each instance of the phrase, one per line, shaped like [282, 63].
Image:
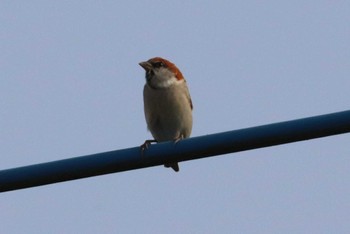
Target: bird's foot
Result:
[179, 138]
[145, 145]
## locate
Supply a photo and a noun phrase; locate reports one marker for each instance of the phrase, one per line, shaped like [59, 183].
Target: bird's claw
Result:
[176, 140]
[145, 145]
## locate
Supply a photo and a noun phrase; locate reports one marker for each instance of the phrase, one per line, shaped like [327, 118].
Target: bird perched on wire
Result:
[167, 103]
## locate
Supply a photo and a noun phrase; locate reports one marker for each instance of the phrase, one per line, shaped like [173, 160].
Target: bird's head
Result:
[161, 73]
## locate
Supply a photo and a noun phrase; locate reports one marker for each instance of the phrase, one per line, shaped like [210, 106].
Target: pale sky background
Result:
[71, 86]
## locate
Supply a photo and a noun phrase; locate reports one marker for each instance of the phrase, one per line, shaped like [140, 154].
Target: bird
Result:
[167, 103]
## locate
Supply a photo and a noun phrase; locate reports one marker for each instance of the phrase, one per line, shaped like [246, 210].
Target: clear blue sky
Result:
[71, 85]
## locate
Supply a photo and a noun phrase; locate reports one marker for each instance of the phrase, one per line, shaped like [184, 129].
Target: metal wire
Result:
[188, 149]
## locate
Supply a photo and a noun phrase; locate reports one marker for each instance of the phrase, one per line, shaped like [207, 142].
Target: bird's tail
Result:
[174, 166]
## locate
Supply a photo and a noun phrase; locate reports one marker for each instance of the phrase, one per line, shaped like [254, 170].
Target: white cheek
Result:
[167, 82]
[165, 79]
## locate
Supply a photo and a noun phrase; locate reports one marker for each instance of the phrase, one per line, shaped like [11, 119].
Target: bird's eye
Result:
[158, 64]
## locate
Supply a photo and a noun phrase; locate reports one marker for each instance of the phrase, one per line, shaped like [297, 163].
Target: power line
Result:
[187, 149]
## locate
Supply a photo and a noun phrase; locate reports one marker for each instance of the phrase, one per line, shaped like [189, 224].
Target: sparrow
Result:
[167, 103]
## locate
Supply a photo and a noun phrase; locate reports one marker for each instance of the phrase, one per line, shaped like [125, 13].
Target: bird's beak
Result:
[146, 65]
